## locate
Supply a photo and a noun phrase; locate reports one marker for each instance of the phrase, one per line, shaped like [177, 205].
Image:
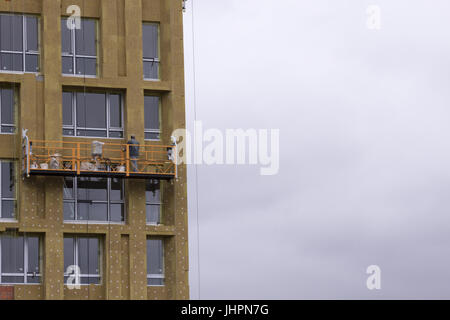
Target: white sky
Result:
[363, 118]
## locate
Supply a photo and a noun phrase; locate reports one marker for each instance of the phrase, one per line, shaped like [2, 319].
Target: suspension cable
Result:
[195, 164]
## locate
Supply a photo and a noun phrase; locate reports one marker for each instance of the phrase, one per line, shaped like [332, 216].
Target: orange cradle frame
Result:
[63, 158]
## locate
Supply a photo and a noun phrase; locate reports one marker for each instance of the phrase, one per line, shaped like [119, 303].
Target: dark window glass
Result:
[153, 200]
[91, 110]
[155, 282]
[69, 211]
[67, 109]
[8, 204]
[92, 211]
[153, 213]
[92, 133]
[93, 254]
[11, 61]
[91, 202]
[68, 132]
[8, 129]
[7, 106]
[115, 111]
[12, 279]
[117, 212]
[155, 257]
[87, 66]
[32, 33]
[11, 32]
[90, 280]
[85, 50]
[11, 39]
[12, 254]
[8, 189]
[85, 38]
[116, 134]
[116, 190]
[152, 191]
[31, 63]
[5, 32]
[150, 40]
[66, 38]
[152, 136]
[88, 255]
[83, 210]
[67, 65]
[8, 209]
[33, 254]
[89, 191]
[151, 70]
[68, 188]
[68, 252]
[151, 112]
[33, 279]
[92, 189]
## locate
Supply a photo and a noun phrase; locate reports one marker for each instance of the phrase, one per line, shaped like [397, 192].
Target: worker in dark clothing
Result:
[134, 153]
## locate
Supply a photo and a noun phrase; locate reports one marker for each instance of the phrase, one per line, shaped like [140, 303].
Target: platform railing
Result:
[99, 159]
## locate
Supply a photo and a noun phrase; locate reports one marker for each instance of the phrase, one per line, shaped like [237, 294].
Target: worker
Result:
[134, 153]
[170, 156]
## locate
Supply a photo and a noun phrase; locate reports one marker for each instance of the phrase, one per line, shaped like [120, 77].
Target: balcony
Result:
[98, 159]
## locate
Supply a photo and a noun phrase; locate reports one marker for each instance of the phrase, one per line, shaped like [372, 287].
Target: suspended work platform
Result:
[98, 159]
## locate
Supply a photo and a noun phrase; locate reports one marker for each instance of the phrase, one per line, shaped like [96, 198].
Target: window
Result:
[92, 114]
[83, 252]
[79, 47]
[152, 115]
[7, 112]
[153, 201]
[7, 190]
[19, 43]
[94, 199]
[150, 45]
[19, 259]
[155, 262]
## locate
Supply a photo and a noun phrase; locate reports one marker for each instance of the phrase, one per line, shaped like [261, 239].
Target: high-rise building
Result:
[86, 212]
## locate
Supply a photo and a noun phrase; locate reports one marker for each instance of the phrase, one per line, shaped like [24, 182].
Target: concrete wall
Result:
[40, 203]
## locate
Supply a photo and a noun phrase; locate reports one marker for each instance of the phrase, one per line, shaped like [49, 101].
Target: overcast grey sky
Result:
[364, 155]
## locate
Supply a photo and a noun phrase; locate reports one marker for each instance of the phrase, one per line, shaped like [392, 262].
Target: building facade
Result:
[77, 73]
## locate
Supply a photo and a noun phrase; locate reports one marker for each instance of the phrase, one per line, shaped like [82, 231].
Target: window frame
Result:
[76, 259]
[157, 275]
[25, 273]
[157, 59]
[108, 203]
[14, 219]
[14, 92]
[149, 130]
[74, 55]
[159, 204]
[109, 129]
[25, 51]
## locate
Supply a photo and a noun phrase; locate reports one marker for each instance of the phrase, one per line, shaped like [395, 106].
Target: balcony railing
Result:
[98, 159]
